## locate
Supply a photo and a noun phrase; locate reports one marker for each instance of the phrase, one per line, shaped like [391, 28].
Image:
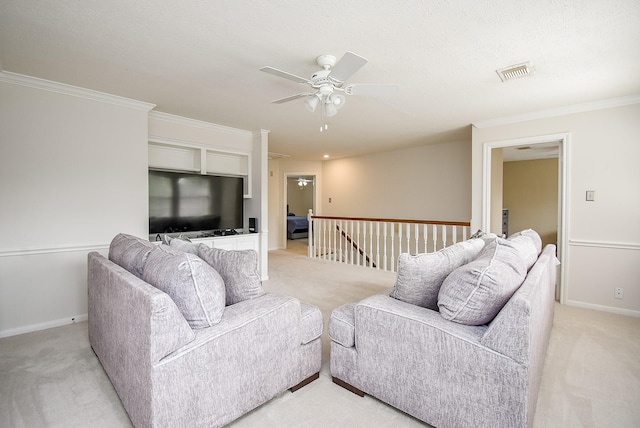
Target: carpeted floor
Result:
[591, 378]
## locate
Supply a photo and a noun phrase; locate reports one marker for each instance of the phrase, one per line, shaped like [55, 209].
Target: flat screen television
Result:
[182, 202]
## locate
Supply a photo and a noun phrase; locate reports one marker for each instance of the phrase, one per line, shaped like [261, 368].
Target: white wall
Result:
[603, 236]
[73, 173]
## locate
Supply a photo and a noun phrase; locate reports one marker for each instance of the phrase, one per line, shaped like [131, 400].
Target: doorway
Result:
[492, 199]
[300, 197]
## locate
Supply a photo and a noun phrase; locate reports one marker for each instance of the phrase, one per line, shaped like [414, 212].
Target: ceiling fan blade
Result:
[348, 64]
[291, 98]
[285, 75]
[372, 89]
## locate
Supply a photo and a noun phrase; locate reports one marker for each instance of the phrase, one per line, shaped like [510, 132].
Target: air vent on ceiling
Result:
[273, 155]
[514, 71]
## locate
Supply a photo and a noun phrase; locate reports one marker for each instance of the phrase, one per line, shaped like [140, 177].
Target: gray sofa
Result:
[444, 366]
[176, 362]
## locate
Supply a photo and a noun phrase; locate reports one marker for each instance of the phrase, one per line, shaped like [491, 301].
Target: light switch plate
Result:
[591, 195]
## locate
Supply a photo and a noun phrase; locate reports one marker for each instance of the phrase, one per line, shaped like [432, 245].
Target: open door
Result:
[527, 149]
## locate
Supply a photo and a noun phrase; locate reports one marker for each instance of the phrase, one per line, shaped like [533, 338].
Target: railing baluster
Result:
[435, 238]
[378, 244]
[384, 233]
[393, 242]
[357, 253]
[444, 236]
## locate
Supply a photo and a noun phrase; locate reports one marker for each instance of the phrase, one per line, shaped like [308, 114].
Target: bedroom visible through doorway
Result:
[300, 191]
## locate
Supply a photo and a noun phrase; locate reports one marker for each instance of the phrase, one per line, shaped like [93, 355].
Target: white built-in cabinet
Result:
[248, 241]
[181, 156]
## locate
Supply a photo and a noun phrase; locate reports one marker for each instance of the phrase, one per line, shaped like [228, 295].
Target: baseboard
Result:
[43, 326]
[611, 309]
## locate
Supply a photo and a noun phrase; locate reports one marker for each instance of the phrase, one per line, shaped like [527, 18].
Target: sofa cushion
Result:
[474, 293]
[130, 252]
[239, 270]
[195, 287]
[420, 276]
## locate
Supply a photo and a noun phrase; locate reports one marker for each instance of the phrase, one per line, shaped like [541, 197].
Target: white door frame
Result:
[563, 139]
[288, 175]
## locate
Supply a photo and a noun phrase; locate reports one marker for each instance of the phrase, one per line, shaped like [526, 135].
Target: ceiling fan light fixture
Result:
[312, 102]
[330, 109]
[338, 100]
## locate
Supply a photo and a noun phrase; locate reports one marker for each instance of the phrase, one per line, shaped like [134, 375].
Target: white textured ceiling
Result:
[200, 59]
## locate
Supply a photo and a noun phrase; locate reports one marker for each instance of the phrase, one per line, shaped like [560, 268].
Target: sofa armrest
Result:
[311, 322]
[126, 313]
[521, 329]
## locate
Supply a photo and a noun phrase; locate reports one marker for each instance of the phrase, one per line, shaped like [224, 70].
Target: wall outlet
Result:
[618, 293]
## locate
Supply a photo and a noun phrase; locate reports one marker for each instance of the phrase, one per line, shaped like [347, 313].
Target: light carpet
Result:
[591, 377]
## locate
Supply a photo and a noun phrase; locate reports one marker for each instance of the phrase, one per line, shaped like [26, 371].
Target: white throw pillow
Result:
[474, 293]
[239, 270]
[195, 287]
[420, 276]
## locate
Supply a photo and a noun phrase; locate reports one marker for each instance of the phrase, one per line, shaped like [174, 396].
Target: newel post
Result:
[310, 228]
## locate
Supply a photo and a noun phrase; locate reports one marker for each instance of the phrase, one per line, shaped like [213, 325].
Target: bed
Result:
[297, 226]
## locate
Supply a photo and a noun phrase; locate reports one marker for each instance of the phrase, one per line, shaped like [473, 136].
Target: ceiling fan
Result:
[327, 85]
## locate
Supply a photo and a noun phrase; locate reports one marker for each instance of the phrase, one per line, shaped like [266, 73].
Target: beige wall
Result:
[603, 236]
[530, 193]
[430, 182]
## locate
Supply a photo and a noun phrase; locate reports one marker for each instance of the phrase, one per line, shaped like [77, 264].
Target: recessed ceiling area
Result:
[202, 60]
[531, 152]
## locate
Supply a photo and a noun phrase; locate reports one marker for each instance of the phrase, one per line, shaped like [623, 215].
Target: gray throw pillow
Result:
[420, 276]
[474, 293]
[195, 287]
[130, 252]
[182, 244]
[533, 235]
[239, 270]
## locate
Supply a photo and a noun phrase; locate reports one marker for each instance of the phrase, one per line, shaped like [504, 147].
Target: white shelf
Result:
[196, 158]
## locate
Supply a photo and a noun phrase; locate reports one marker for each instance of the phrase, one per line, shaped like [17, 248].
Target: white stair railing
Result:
[377, 243]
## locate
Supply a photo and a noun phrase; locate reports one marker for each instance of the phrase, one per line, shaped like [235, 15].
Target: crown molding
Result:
[75, 91]
[181, 120]
[560, 111]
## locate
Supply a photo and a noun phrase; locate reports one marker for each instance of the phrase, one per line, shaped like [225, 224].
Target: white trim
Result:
[193, 145]
[604, 244]
[560, 111]
[287, 175]
[74, 91]
[181, 120]
[602, 308]
[564, 140]
[43, 326]
[50, 250]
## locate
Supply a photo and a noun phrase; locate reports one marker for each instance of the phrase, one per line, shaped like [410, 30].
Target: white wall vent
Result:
[514, 71]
